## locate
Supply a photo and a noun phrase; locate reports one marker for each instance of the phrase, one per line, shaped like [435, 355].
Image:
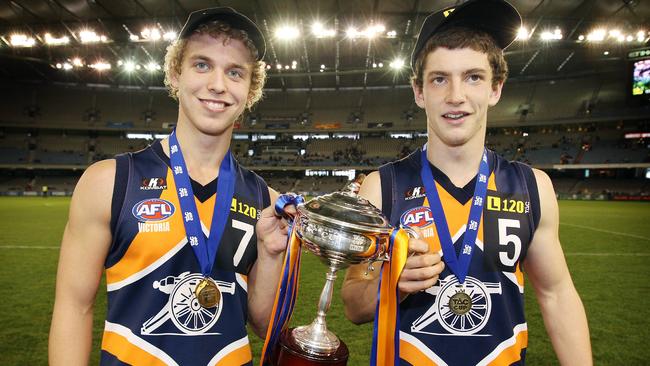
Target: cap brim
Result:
[230, 16]
[498, 18]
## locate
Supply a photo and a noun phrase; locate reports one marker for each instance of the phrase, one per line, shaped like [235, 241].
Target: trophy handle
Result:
[384, 256]
[410, 231]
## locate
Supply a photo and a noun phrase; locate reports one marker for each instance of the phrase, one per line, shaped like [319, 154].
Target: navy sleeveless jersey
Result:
[151, 271]
[480, 322]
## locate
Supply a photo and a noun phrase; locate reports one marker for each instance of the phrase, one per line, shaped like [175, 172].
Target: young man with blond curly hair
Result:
[173, 225]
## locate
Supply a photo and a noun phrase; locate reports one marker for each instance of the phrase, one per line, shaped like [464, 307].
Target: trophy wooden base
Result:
[289, 353]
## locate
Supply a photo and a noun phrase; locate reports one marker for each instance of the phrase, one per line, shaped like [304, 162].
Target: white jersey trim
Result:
[241, 281]
[503, 345]
[228, 349]
[422, 348]
[139, 342]
[147, 270]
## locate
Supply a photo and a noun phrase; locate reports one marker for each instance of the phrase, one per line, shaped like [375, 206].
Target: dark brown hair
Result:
[460, 37]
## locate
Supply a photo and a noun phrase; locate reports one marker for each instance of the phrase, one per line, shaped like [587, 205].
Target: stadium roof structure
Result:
[311, 45]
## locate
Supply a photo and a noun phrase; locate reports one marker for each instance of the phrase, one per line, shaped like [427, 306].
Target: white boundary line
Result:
[607, 231]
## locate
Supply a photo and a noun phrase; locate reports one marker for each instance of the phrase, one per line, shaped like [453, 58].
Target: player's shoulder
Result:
[97, 180]
[100, 172]
[544, 184]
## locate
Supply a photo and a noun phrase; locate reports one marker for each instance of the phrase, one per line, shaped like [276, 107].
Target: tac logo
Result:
[418, 217]
[153, 209]
[149, 184]
[413, 193]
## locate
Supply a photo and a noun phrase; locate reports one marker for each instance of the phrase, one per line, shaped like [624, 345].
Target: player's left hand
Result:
[272, 230]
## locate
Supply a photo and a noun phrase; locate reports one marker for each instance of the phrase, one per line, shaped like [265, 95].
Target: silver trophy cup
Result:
[341, 228]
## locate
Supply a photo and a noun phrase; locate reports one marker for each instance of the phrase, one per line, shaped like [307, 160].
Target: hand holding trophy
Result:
[341, 228]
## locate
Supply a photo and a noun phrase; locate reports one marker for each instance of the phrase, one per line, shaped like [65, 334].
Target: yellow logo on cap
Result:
[448, 11]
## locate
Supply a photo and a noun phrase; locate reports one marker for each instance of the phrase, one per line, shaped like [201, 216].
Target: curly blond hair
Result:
[215, 29]
[459, 37]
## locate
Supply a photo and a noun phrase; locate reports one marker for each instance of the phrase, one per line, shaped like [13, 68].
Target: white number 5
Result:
[248, 234]
[506, 239]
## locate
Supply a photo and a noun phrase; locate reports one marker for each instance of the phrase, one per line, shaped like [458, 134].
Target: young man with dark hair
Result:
[173, 225]
[481, 220]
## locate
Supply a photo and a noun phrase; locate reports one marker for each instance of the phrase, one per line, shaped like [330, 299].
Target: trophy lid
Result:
[346, 210]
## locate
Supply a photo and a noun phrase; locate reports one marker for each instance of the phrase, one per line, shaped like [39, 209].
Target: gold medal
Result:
[207, 293]
[460, 303]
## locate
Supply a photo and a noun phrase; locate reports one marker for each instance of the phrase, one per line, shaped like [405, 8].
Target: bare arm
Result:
[420, 272]
[86, 240]
[561, 307]
[262, 283]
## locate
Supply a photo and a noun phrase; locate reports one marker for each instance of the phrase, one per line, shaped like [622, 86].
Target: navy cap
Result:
[497, 18]
[230, 16]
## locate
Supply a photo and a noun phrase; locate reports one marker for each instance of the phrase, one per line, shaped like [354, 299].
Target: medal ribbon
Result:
[385, 334]
[458, 265]
[204, 250]
[287, 290]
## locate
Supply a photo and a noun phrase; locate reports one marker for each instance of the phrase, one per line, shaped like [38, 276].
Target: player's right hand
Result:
[422, 268]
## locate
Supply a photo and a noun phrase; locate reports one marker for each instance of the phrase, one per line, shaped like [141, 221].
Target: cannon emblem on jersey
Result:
[460, 309]
[183, 309]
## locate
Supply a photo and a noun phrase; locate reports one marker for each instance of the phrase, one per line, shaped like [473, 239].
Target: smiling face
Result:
[456, 93]
[213, 84]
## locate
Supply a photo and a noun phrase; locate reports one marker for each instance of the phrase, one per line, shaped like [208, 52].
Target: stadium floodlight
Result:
[319, 31]
[169, 36]
[551, 36]
[614, 33]
[21, 40]
[89, 36]
[381, 64]
[629, 38]
[151, 34]
[374, 30]
[129, 66]
[581, 37]
[67, 66]
[278, 66]
[352, 33]
[287, 32]
[77, 62]
[134, 38]
[640, 36]
[152, 66]
[523, 34]
[597, 35]
[391, 34]
[397, 64]
[59, 65]
[100, 66]
[56, 41]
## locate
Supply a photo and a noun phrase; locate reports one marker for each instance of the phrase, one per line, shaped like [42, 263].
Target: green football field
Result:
[607, 246]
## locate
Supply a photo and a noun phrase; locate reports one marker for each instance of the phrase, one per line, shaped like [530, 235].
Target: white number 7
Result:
[505, 239]
[248, 234]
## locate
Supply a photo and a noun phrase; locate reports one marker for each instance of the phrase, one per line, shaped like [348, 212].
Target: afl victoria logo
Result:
[153, 209]
[417, 217]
